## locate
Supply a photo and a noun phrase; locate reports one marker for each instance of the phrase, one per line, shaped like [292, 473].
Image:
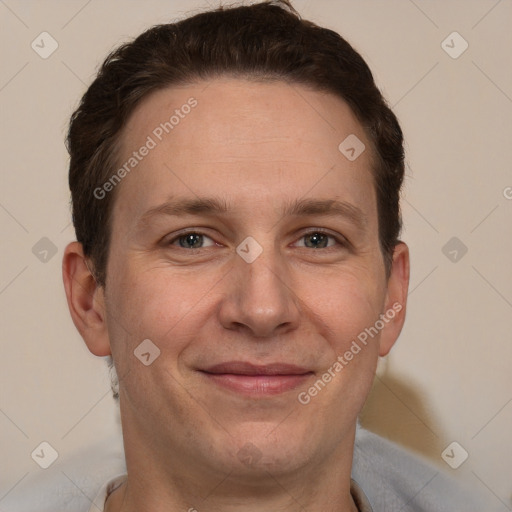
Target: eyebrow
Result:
[214, 206]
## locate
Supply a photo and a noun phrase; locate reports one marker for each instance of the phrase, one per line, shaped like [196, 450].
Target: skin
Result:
[256, 146]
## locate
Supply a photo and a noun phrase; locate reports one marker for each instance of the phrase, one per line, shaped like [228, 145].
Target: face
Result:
[245, 248]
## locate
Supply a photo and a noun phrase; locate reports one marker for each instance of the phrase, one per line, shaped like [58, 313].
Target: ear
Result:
[396, 298]
[86, 300]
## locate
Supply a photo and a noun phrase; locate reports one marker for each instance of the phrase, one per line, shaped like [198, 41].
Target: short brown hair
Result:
[266, 41]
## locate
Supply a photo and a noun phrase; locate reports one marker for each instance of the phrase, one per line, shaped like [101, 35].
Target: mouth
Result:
[257, 380]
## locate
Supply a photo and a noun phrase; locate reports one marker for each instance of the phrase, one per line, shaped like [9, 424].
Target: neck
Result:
[152, 485]
[125, 499]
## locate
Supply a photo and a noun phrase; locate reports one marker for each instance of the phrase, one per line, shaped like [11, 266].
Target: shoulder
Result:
[394, 479]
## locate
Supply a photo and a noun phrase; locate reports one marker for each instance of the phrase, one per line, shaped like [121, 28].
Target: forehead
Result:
[235, 136]
[227, 109]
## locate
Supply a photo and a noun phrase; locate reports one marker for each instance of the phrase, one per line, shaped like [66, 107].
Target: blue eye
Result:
[320, 240]
[315, 239]
[191, 240]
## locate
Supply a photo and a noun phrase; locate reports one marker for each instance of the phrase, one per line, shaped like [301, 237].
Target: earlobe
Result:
[396, 298]
[85, 300]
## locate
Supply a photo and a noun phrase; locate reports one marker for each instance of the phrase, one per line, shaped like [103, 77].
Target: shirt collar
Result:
[359, 497]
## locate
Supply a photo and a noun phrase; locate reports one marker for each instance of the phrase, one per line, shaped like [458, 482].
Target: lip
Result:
[245, 368]
[257, 380]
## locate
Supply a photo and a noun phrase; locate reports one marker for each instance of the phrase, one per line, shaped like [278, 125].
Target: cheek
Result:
[151, 303]
[147, 304]
[346, 303]
[349, 306]
[349, 361]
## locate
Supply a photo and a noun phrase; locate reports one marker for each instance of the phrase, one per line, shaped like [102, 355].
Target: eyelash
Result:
[340, 240]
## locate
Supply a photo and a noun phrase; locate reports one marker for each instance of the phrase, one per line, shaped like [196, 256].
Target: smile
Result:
[253, 380]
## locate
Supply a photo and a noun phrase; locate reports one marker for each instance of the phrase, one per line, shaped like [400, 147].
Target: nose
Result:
[259, 300]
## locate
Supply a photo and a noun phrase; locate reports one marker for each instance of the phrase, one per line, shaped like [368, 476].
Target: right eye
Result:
[190, 240]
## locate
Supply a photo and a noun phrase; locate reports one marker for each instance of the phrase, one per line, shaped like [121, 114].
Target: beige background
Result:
[447, 379]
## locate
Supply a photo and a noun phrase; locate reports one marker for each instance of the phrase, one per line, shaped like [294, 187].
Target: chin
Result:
[263, 447]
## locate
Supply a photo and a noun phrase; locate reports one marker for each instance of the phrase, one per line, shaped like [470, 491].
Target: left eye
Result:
[318, 240]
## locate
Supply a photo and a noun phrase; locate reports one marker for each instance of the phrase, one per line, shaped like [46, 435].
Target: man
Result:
[235, 181]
